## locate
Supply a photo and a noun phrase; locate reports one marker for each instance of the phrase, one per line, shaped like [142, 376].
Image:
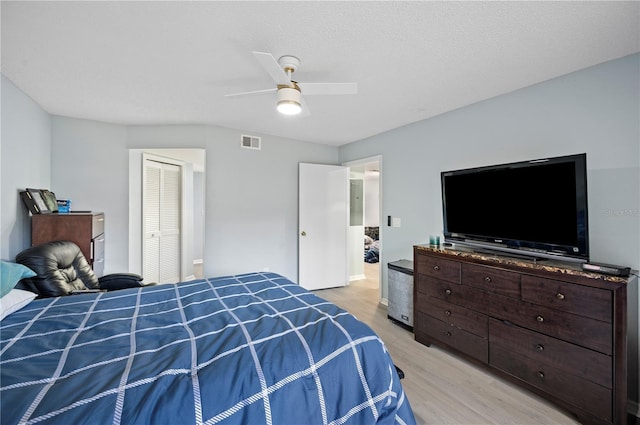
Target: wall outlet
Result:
[395, 221]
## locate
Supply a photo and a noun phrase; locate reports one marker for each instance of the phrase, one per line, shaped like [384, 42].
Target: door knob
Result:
[303, 233]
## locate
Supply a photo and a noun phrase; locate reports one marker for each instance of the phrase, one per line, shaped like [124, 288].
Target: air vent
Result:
[250, 142]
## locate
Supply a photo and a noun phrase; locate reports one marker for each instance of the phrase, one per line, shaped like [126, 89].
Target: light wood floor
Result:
[441, 388]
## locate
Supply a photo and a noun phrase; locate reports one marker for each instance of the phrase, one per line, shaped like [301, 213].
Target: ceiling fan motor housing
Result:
[289, 63]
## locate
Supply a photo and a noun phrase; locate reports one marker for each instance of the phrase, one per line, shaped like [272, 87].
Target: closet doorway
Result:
[191, 229]
[162, 216]
[365, 213]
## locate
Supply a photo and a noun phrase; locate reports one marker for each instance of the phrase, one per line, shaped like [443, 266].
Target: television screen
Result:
[536, 206]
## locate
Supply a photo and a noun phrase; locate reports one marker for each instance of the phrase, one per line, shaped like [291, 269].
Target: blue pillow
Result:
[11, 274]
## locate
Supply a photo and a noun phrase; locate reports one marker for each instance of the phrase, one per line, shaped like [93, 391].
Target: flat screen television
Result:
[533, 208]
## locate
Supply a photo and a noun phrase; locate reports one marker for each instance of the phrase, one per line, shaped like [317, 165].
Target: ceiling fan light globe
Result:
[289, 101]
[289, 107]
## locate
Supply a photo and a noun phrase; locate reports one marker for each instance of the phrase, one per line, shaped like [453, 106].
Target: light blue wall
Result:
[89, 163]
[24, 150]
[595, 110]
[251, 201]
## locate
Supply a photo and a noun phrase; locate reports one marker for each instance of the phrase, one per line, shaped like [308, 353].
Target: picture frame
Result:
[29, 202]
[50, 200]
[38, 199]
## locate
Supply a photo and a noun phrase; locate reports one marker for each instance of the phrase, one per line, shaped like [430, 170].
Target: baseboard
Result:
[384, 302]
[357, 277]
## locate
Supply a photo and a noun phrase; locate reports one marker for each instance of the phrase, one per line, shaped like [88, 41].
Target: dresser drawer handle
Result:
[560, 296]
[487, 279]
[447, 313]
[540, 319]
[447, 333]
[448, 291]
[540, 347]
[540, 374]
[436, 267]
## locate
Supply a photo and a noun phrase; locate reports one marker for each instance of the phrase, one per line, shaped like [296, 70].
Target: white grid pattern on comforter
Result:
[253, 348]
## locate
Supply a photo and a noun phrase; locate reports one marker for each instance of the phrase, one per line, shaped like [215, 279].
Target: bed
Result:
[247, 349]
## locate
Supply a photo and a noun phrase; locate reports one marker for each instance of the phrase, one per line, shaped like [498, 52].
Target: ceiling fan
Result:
[290, 100]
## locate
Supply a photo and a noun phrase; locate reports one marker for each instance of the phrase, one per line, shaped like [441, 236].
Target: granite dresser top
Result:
[554, 266]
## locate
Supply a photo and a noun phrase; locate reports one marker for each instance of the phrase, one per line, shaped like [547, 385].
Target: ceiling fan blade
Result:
[305, 108]
[328, 88]
[270, 64]
[251, 92]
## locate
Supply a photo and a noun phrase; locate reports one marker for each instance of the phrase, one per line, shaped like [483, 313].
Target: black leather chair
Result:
[62, 269]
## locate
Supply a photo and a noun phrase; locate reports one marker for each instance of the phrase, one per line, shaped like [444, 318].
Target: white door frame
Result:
[195, 161]
[363, 161]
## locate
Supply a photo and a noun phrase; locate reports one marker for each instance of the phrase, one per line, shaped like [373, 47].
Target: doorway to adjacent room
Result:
[364, 221]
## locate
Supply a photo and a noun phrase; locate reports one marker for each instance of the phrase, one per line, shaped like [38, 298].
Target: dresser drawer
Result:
[580, 392]
[491, 279]
[454, 315]
[580, 330]
[463, 341]
[585, 301]
[97, 255]
[438, 268]
[98, 267]
[97, 225]
[570, 358]
[454, 293]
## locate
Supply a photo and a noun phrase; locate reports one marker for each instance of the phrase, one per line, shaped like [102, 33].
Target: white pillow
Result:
[14, 301]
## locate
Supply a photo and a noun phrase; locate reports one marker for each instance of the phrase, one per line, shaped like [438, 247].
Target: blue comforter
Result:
[247, 349]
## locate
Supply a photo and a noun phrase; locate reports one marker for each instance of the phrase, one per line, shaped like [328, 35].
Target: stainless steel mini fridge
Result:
[400, 309]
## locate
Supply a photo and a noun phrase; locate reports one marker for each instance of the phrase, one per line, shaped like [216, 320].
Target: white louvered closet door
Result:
[161, 221]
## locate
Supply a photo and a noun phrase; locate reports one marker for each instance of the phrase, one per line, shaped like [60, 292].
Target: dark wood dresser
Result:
[84, 229]
[553, 329]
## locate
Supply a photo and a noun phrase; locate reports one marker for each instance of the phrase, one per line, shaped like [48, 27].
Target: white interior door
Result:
[323, 226]
[161, 196]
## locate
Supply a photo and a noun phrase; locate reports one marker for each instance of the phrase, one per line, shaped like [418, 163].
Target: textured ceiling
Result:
[172, 62]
